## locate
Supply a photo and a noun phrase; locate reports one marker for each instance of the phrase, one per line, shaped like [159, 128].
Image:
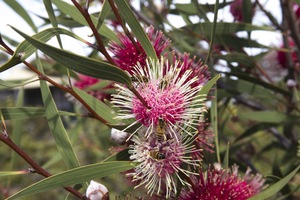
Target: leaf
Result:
[103, 14]
[52, 18]
[272, 190]
[4, 85]
[27, 112]
[237, 57]
[10, 173]
[98, 106]
[25, 49]
[136, 28]
[264, 116]
[67, 178]
[56, 126]
[72, 11]
[206, 88]
[222, 28]
[80, 64]
[22, 12]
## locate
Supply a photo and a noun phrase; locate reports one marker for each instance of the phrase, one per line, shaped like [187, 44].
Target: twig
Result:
[4, 137]
[85, 14]
[116, 12]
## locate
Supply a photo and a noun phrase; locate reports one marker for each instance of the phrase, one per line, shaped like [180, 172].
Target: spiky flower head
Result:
[87, 83]
[169, 95]
[126, 55]
[223, 184]
[161, 162]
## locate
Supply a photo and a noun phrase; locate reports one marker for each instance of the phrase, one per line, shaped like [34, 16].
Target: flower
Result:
[87, 83]
[170, 97]
[161, 163]
[118, 136]
[126, 55]
[97, 191]
[236, 9]
[198, 69]
[223, 184]
[282, 55]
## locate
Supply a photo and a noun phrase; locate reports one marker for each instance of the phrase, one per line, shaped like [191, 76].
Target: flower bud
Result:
[97, 191]
[118, 136]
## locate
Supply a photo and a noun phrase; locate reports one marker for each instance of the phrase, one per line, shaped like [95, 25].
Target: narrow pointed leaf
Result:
[52, 18]
[22, 12]
[56, 126]
[136, 28]
[206, 88]
[80, 64]
[98, 106]
[67, 178]
[10, 173]
[72, 11]
[25, 49]
[28, 112]
[273, 189]
[204, 28]
[103, 14]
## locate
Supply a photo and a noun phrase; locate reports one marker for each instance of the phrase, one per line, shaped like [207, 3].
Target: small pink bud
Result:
[97, 191]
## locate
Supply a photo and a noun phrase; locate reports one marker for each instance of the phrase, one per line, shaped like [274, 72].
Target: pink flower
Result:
[282, 55]
[160, 163]
[171, 96]
[236, 9]
[92, 86]
[223, 184]
[200, 71]
[127, 56]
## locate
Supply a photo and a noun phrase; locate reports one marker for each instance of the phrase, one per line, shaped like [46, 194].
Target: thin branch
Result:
[85, 14]
[116, 12]
[4, 137]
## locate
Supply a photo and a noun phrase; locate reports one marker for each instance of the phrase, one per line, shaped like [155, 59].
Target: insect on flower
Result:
[160, 130]
[157, 155]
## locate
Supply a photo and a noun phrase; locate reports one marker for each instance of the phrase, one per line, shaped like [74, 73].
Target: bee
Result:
[160, 130]
[157, 155]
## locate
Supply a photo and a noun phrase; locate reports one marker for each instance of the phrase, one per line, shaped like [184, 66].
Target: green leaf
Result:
[56, 126]
[98, 106]
[272, 190]
[206, 88]
[80, 64]
[72, 11]
[25, 49]
[237, 57]
[67, 178]
[22, 12]
[136, 28]
[27, 112]
[264, 116]
[10, 173]
[204, 28]
[4, 85]
[52, 18]
[103, 14]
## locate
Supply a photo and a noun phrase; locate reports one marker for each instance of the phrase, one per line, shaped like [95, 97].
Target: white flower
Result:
[97, 191]
[118, 136]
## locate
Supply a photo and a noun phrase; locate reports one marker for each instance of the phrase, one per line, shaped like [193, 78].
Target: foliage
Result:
[254, 114]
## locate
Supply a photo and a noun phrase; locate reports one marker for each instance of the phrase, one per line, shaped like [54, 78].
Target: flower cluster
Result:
[223, 184]
[171, 133]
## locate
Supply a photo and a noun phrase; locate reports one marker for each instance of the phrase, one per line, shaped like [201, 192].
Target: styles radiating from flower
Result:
[126, 55]
[161, 162]
[170, 95]
[223, 184]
